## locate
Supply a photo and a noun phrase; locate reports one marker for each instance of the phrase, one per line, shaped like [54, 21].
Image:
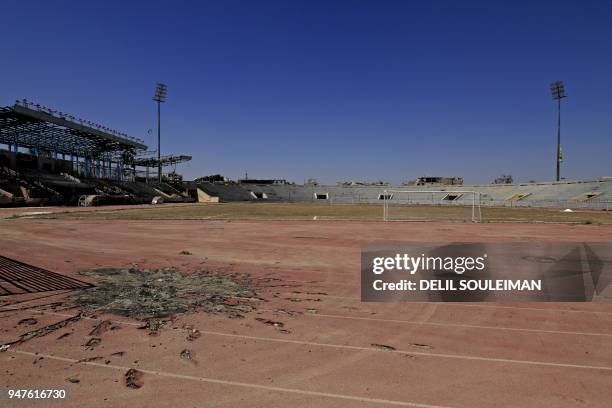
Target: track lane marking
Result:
[372, 349]
[453, 304]
[471, 326]
[236, 383]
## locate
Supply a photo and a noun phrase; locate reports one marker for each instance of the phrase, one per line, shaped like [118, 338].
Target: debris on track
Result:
[422, 346]
[277, 325]
[93, 343]
[43, 331]
[194, 334]
[28, 321]
[152, 295]
[154, 325]
[383, 347]
[133, 378]
[187, 355]
[159, 293]
[90, 359]
[102, 327]
[270, 322]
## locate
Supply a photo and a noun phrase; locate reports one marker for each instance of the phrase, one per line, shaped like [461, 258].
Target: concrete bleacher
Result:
[32, 187]
[228, 192]
[567, 194]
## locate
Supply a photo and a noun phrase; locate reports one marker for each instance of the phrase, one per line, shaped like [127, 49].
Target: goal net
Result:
[431, 205]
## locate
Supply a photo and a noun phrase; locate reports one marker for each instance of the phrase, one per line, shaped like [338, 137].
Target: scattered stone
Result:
[102, 327]
[184, 252]
[291, 313]
[43, 331]
[118, 354]
[193, 335]
[421, 346]
[187, 355]
[154, 326]
[383, 347]
[28, 321]
[93, 343]
[303, 299]
[133, 378]
[270, 322]
[73, 380]
[89, 359]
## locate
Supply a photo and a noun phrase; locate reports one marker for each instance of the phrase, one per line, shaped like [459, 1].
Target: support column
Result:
[86, 166]
[38, 161]
[14, 156]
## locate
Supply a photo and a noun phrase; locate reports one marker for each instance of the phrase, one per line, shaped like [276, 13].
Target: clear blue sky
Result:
[336, 90]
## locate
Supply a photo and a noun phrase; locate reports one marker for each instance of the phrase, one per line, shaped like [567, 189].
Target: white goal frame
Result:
[388, 196]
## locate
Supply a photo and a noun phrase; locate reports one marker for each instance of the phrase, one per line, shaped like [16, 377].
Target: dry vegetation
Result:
[307, 211]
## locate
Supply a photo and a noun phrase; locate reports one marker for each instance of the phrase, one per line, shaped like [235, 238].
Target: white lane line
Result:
[449, 304]
[373, 349]
[236, 383]
[469, 326]
[411, 353]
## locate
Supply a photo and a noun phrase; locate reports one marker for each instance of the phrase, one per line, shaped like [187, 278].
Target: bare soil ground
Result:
[305, 339]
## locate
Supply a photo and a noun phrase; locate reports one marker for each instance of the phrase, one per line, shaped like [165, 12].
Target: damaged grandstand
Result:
[595, 194]
[53, 158]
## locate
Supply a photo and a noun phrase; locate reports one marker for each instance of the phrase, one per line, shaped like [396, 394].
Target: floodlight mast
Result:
[160, 96]
[558, 92]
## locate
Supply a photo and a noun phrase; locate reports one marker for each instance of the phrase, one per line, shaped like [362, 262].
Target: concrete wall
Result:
[570, 194]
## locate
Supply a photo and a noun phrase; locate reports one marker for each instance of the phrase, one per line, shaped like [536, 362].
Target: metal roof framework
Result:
[165, 161]
[36, 127]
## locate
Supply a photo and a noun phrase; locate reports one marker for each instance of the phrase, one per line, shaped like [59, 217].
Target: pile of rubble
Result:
[147, 293]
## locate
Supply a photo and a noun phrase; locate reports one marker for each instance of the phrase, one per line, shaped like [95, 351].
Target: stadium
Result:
[137, 272]
[86, 209]
[53, 158]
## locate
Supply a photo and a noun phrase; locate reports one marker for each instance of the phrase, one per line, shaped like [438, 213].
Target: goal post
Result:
[398, 203]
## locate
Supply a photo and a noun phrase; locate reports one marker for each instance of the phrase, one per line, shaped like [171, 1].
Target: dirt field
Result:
[308, 341]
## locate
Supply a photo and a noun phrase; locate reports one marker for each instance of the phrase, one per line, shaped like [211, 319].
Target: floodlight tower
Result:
[558, 92]
[160, 96]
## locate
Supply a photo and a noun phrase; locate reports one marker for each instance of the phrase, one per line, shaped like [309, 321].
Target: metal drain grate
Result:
[18, 278]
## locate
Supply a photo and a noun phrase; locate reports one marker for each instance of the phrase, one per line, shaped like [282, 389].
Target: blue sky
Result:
[336, 90]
